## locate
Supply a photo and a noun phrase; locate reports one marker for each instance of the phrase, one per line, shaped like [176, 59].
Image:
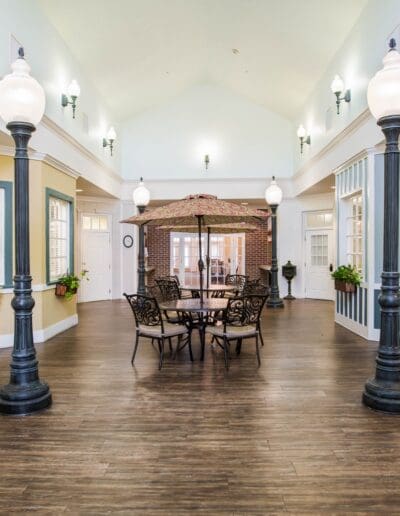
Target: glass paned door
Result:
[226, 256]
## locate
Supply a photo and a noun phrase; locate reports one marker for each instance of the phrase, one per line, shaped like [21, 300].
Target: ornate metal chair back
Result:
[245, 310]
[169, 289]
[255, 287]
[172, 277]
[237, 280]
[145, 309]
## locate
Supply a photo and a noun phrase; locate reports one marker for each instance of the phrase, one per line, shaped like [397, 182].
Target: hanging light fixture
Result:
[338, 88]
[109, 140]
[73, 92]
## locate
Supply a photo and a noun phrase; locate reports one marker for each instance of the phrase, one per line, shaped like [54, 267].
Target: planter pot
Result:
[343, 286]
[61, 290]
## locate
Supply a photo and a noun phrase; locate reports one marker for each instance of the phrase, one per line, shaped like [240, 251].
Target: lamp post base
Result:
[382, 396]
[274, 303]
[21, 400]
[289, 296]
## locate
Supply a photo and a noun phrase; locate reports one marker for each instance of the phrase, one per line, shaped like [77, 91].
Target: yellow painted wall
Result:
[49, 309]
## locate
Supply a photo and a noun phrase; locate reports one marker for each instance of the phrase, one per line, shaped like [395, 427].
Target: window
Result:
[60, 235]
[319, 250]
[5, 234]
[354, 232]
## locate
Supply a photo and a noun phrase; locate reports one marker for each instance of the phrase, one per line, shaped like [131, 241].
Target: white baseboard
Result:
[351, 325]
[7, 341]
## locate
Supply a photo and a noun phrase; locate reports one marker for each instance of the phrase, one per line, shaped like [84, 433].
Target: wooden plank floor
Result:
[291, 437]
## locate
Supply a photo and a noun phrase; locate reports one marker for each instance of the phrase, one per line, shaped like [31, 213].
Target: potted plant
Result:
[67, 286]
[347, 278]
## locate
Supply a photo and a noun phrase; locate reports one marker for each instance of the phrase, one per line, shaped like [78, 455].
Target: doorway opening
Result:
[319, 254]
[227, 256]
[95, 257]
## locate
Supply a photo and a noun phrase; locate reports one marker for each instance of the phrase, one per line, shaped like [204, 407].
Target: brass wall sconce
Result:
[109, 140]
[73, 92]
[338, 88]
[303, 137]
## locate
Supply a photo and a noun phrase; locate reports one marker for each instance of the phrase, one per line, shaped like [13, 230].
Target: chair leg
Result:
[226, 353]
[135, 348]
[190, 345]
[238, 346]
[161, 354]
[178, 346]
[258, 351]
[260, 333]
[170, 344]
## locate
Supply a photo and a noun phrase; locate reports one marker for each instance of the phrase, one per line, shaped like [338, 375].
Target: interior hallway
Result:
[289, 437]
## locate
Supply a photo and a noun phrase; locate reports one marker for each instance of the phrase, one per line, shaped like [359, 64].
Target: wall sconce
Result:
[109, 140]
[338, 88]
[302, 135]
[206, 161]
[73, 93]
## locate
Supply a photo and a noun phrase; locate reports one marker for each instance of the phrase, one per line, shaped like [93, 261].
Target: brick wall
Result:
[158, 248]
[258, 251]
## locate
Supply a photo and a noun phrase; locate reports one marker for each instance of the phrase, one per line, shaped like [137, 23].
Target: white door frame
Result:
[80, 229]
[304, 243]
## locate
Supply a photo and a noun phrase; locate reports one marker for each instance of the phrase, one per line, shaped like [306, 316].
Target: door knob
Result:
[331, 268]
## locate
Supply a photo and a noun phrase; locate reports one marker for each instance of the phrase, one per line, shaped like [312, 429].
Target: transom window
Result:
[60, 235]
[95, 222]
[354, 231]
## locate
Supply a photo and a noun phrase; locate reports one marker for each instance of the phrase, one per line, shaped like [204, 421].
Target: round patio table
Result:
[213, 304]
[215, 290]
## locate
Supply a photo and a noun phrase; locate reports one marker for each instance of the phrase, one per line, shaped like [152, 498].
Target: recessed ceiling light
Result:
[235, 51]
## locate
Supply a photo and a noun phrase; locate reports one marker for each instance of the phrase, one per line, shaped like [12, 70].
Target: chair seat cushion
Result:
[170, 330]
[233, 331]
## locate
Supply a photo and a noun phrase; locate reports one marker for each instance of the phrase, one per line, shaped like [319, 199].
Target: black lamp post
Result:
[273, 196]
[22, 103]
[383, 391]
[141, 198]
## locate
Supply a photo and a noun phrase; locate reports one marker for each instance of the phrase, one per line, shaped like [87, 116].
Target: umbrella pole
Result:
[208, 260]
[200, 263]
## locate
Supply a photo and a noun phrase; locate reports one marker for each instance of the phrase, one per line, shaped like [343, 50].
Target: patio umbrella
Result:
[202, 209]
[239, 227]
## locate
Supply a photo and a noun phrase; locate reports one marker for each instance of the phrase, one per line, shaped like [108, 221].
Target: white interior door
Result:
[96, 257]
[319, 262]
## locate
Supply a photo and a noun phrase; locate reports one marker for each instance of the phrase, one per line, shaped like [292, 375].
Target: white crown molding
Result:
[351, 128]
[55, 128]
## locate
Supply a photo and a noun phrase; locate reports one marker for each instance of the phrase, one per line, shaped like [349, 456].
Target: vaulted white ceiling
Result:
[140, 53]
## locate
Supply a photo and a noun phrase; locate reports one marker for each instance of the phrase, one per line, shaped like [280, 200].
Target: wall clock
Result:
[127, 241]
